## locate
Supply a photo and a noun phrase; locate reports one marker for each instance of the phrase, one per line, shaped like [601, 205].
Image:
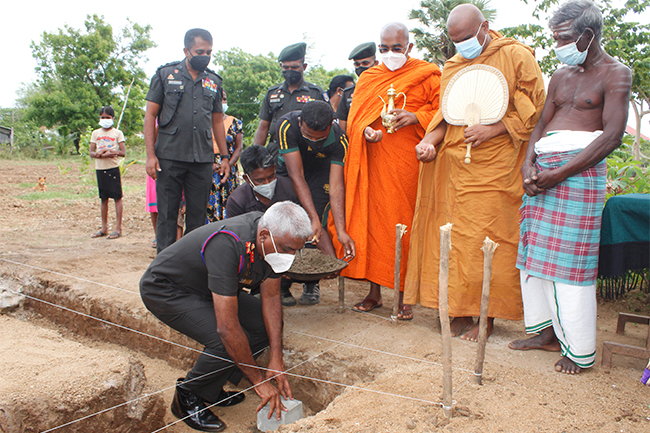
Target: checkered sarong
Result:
[560, 228]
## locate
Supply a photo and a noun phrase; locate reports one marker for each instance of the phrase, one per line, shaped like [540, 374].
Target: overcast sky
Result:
[331, 27]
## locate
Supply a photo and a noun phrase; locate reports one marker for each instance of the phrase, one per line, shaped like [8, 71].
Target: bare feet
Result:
[565, 365]
[472, 334]
[460, 325]
[546, 340]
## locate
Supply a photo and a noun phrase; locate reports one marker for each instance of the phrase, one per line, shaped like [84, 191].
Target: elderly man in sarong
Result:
[564, 178]
[481, 198]
[381, 172]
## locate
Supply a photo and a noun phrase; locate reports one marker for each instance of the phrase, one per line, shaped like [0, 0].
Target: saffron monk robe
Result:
[381, 171]
[481, 198]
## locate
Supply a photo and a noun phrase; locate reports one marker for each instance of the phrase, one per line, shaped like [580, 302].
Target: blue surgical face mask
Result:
[471, 49]
[570, 55]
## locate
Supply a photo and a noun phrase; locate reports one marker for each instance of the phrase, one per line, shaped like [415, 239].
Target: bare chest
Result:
[579, 90]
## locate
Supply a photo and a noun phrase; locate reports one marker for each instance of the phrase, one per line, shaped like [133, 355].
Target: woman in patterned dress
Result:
[220, 191]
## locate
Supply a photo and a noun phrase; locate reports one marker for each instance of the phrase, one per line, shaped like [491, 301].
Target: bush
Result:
[625, 175]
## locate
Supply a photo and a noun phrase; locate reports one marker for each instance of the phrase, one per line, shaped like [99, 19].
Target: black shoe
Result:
[287, 298]
[310, 294]
[193, 410]
[230, 398]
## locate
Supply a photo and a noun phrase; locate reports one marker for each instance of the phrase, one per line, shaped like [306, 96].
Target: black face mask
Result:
[292, 77]
[360, 70]
[199, 63]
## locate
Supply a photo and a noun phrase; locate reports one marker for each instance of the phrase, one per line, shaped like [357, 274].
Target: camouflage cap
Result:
[293, 52]
[362, 51]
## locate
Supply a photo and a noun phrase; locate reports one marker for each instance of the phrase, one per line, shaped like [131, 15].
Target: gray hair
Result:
[287, 218]
[583, 14]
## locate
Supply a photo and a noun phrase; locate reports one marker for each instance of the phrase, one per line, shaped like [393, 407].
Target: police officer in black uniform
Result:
[288, 96]
[196, 287]
[185, 98]
[363, 57]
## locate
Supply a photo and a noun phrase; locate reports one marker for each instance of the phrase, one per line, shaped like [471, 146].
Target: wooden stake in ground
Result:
[489, 246]
[400, 231]
[341, 294]
[443, 306]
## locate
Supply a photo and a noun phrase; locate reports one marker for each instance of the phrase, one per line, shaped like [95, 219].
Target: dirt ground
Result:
[354, 372]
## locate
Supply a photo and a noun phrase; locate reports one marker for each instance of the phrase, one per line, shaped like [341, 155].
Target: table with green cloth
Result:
[625, 235]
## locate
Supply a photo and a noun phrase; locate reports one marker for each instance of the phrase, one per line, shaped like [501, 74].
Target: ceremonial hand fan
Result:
[477, 94]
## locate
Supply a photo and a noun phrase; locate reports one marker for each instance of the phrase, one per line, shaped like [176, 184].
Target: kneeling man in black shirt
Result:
[195, 286]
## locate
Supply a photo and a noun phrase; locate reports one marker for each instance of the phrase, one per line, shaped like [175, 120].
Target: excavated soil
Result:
[354, 372]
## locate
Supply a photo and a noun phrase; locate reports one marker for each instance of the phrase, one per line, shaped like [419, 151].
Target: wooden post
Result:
[489, 246]
[400, 230]
[443, 304]
[341, 294]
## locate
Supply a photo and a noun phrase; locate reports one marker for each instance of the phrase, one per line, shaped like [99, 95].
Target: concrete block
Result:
[293, 414]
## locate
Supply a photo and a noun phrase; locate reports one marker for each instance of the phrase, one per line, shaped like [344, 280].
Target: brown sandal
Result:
[366, 305]
[405, 313]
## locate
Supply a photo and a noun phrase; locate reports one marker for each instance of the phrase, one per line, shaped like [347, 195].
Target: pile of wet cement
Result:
[314, 262]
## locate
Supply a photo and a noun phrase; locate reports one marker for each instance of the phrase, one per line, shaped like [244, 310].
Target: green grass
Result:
[66, 195]
[89, 191]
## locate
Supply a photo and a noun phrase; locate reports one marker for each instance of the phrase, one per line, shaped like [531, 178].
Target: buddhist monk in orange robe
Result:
[481, 198]
[381, 170]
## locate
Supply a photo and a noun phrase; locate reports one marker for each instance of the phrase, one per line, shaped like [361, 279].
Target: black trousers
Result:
[194, 316]
[194, 179]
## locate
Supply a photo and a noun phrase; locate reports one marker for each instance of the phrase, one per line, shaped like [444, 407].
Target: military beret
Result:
[364, 50]
[293, 52]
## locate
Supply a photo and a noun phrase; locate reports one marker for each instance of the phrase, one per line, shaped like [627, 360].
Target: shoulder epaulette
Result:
[168, 64]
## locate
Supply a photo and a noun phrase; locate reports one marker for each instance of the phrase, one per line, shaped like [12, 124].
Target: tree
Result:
[320, 76]
[80, 71]
[625, 39]
[433, 14]
[246, 78]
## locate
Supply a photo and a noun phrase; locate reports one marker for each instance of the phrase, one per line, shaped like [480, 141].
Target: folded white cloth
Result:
[565, 141]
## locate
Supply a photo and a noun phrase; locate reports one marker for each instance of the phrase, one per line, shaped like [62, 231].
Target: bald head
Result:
[395, 37]
[466, 21]
[465, 14]
[395, 31]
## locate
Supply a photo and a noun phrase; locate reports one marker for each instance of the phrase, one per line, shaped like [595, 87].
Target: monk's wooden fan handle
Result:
[472, 116]
[468, 157]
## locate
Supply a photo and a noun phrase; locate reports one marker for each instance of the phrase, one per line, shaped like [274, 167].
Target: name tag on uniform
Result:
[174, 82]
[273, 100]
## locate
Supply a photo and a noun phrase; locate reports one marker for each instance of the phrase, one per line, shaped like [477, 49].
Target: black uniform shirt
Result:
[219, 257]
[314, 160]
[343, 109]
[278, 102]
[186, 107]
[243, 199]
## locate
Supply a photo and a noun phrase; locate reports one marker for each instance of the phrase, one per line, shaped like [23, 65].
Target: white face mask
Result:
[106, 123]
[224, 107]
[393, 61]
[279, 262]
[265, 189]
